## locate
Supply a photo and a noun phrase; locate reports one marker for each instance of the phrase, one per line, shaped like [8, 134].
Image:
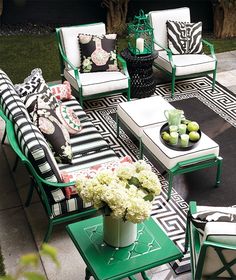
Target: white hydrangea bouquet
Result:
[124, 193]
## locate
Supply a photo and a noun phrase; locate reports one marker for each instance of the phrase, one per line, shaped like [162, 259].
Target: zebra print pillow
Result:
[216, 214]
[184, 37]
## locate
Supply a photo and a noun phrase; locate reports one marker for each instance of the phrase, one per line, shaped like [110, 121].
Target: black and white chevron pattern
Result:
[184, 37]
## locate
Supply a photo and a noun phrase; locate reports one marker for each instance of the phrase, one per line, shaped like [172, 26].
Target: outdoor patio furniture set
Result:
[32, 112]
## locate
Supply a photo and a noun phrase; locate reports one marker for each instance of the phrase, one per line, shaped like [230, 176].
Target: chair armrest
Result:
[65, 58]
[124, 65]
[168, 51]
[211, 48]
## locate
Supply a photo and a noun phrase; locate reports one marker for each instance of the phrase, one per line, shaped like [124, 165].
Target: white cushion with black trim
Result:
[169, 157]
[159, 19]
[143, 113]
[186, 64]
[97, 82]
[70, 43]
[10, 101]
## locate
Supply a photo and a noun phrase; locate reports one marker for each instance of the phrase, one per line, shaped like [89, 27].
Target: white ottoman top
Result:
[143, 113]
[169, 157]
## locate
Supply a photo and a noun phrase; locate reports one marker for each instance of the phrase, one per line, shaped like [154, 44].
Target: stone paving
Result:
[22, 229]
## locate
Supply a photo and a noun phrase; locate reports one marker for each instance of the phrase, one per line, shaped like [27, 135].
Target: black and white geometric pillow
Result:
[184, 37]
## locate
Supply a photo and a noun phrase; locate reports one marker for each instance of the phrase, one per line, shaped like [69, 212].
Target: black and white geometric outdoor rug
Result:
[170, 216]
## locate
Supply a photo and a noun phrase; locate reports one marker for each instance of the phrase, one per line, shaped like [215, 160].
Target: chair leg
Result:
[214, 80]
[4, 136]
[170, 185]
[49, 231]
[128, 94]
[30, 193]
[173, 82]
[219, 170]
[15, 164]
[117, 127]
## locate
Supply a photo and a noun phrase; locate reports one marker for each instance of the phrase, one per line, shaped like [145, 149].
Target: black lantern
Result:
[140, 35]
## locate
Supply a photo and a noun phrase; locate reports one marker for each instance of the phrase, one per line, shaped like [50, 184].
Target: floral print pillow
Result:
[98, 53]
[55, 133]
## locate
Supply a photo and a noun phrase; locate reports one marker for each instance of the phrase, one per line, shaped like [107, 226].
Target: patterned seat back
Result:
[69, 39]
[158, 21]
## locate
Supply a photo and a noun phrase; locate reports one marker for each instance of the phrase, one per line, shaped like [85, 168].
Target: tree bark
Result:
[225, 19]
[116, 15]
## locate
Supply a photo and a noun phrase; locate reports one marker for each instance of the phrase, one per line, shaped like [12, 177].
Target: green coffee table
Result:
[152, 248]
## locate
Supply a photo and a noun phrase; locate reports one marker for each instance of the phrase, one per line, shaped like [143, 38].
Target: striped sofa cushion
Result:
[35, 148]
[10, 101]
[69, 205]
[88, 148]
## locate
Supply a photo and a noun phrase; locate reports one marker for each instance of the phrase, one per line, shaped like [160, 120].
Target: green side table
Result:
[152, 248]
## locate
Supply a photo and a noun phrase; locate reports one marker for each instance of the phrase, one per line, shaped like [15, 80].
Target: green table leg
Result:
[87, 274]
[170, 181]
[219, 170]
[132, 278]
[144, 275]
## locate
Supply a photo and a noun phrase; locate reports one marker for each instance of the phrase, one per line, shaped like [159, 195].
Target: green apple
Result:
[193, 126]
[194, 136]
[165, 136]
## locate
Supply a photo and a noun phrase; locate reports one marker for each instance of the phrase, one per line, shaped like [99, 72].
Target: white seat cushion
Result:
[158, 21]
[98, 82]
[143, 113]
[70, 41]
[169, 157]
[186, 64]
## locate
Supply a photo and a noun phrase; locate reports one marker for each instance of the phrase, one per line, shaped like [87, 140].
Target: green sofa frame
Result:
[39, 183]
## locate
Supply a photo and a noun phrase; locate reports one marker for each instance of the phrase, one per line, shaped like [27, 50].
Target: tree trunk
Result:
[225, 19]
[116, 15]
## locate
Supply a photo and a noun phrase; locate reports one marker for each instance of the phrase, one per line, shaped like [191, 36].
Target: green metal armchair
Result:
[212, 243]
[179, 66]
[90, 85]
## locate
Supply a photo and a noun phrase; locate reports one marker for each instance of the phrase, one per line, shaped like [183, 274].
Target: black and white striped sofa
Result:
[88, 147]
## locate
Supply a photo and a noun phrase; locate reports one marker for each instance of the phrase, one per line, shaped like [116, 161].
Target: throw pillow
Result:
[68, 119]
[33, 83]
[98, 53]
[45, 95]
[184, 37]
[56, 134]
[216, 214]
[62, 91]
[89, 173]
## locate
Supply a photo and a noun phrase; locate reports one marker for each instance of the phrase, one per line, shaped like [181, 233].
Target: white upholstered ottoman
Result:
[144, 118]
[204, 154]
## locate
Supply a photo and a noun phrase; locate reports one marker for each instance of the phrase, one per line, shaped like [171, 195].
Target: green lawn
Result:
[20, 54]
